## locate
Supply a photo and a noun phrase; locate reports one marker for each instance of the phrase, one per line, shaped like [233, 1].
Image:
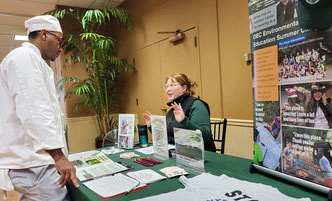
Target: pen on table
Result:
[133, 188]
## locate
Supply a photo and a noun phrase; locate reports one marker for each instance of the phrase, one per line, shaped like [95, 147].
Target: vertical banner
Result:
[292, 86]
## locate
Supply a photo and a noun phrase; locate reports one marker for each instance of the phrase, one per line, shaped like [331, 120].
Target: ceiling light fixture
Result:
[21, 37]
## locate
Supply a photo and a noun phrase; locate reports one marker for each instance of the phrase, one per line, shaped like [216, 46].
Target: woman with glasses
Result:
[186, 111]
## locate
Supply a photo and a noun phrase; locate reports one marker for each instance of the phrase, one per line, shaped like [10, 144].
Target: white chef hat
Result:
[40, 22]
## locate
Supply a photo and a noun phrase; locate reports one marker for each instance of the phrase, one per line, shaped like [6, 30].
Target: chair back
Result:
[111, 138]
[218, 129]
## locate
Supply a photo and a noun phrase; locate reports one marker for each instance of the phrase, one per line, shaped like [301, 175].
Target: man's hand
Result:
[66, 170]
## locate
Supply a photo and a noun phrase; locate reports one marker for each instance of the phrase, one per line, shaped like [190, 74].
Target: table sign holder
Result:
[189, 147]
[126, 131]
[159, 137]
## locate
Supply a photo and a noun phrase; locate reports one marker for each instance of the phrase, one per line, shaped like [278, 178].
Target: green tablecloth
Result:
[216, 164]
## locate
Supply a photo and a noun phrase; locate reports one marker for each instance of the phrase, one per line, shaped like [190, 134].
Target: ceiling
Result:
[13, 13]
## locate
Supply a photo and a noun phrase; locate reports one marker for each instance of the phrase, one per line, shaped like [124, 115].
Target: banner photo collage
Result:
[292, 86]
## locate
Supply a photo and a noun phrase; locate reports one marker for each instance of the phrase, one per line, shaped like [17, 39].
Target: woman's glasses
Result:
[171, 85]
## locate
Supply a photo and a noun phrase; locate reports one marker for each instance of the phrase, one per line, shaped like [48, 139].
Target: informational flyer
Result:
[292, 74]
[126, 131]
[189, 146]
[159, 137]
[95, 166]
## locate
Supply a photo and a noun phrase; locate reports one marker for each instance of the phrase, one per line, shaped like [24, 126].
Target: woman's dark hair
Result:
[317, 88]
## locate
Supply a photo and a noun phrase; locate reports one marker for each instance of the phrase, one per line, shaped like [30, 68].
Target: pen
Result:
[133, 188]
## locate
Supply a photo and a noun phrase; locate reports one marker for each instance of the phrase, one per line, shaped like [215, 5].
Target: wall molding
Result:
[86, 118]
[235, 122]
[240, 122]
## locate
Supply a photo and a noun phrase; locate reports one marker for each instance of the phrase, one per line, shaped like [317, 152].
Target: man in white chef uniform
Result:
[31, 127]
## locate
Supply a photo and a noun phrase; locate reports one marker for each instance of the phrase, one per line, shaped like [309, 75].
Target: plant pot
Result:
[99, 142]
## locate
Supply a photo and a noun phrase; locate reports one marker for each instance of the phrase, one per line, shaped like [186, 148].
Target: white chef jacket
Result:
[30, 113]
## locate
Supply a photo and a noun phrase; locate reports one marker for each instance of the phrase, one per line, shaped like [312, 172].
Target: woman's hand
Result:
[324, 99]
[178, 112]
[147, 118]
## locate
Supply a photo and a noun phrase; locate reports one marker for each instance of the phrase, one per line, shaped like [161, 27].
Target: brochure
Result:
[159, 137]
[173, 171]
[126, 131]
[96, 166]
[149, 150]
[88, 160]
[80, 155]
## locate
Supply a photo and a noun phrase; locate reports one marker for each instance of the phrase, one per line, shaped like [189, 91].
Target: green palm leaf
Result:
[96, 50]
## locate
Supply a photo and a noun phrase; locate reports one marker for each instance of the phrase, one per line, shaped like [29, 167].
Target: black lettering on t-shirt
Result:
[234, 193]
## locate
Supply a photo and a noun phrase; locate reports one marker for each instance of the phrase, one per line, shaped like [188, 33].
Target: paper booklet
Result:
[146, 176]
[113, 186]
[173, 171]
[80, 155]
[149, 150]
[126, 131]
[96, 166]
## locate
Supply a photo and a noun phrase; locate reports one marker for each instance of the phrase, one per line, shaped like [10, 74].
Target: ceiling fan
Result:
[177, 37]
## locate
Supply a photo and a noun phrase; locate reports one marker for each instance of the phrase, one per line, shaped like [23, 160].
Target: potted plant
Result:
[91, 44]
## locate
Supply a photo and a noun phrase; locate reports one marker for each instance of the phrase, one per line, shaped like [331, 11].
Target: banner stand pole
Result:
[314, 186]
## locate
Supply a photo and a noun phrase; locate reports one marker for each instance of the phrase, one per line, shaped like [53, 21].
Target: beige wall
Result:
[222, 29]
[234, 41]
[82, 132]
[223, 35]
[239, 138]
[155, 16]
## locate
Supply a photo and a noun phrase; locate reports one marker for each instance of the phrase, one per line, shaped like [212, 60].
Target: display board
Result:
[159, 137]
[292, 87]
[189, 147]
[126, 131]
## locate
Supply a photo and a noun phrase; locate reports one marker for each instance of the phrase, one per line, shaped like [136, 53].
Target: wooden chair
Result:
[218, 130]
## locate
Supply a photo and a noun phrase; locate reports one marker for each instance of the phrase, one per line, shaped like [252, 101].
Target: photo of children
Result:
[325, 167]
[309, 60]
[307, 104]
[267, 135]
[306, 154]
[287, 155]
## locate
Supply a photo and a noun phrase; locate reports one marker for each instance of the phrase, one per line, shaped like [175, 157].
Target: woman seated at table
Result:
[186, 111]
